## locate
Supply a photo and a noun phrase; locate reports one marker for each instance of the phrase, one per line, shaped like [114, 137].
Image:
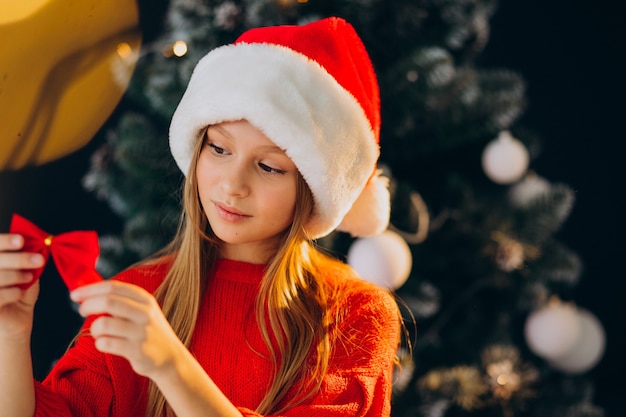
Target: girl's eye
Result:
[269, 169]
[216, 149]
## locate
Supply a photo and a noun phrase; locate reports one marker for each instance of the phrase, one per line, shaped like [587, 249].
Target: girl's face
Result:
[247, 187]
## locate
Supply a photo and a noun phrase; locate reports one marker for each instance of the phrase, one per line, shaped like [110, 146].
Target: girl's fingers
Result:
[115, 298]
[114, 346]
[10, 278]
[10, 295]
[11, 241]
[111, 287]
[114, 305]
[107, 326]
[20, 260]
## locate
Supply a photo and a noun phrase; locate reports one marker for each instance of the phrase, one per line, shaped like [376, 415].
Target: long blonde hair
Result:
[290, 299]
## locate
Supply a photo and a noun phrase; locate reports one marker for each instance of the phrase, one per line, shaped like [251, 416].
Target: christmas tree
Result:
[492, 325]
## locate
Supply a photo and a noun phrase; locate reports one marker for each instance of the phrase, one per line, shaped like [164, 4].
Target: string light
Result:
[506, 379]
[178, 48]
[507, 375]
[463, 384]
[124, 50]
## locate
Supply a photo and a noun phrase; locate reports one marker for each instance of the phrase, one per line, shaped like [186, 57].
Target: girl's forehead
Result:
[243, 130]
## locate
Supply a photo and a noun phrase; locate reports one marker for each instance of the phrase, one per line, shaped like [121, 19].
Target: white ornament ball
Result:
[505, 159]
[551, 331]
[588, 348]
[528, 190]
[384, 259]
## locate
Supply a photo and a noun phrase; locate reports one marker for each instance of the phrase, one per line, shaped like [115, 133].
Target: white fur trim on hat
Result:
[369, 214]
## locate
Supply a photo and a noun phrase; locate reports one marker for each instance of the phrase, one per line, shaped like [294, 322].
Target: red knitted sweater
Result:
[229, 346]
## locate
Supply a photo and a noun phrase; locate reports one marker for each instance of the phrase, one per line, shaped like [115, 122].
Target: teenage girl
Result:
[278, 136]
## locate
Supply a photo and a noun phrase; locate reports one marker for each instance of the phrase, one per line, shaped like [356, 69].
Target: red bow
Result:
[74, 253]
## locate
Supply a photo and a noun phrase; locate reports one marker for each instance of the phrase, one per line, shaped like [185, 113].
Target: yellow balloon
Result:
[64, 66]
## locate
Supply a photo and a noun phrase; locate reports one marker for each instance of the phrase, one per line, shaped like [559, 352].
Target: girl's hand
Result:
[16, 304]
[132, 326]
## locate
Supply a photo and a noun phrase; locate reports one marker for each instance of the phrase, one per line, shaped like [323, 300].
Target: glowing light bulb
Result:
[124, 50]
[179, 48]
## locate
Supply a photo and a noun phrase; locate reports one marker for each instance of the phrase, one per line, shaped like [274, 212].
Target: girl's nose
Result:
[235, 180]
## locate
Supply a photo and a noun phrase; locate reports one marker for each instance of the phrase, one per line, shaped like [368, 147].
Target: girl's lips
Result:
[229, 214]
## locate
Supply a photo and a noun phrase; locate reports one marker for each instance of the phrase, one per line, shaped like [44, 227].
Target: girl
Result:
[241, 314]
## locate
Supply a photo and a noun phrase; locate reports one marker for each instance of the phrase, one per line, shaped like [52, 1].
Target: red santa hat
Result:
[312, 90]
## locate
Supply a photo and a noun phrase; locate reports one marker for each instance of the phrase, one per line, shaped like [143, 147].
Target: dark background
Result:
[573, 57]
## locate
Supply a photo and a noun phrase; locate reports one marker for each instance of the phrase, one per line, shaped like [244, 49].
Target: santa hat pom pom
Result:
[369, 215]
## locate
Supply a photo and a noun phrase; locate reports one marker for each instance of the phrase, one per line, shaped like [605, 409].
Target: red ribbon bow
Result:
[74, 253]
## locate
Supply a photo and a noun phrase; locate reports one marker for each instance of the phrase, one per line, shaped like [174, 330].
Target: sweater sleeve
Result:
[359, 381]
[78, 385]
[87, 383]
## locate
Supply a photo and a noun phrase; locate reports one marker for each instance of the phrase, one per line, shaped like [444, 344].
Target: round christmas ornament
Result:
[505, 159]
[528, 190]
[588, 348]
[552, 330]
[65, 65]
[384, 259]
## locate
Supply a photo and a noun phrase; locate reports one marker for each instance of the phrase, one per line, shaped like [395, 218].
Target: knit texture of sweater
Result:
[229, 346]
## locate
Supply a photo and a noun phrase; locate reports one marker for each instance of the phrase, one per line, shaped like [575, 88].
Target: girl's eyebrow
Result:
[273, 149]
[268, 148]
[221, 130]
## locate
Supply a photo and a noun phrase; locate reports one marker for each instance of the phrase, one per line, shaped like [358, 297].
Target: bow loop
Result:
[74, 253]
